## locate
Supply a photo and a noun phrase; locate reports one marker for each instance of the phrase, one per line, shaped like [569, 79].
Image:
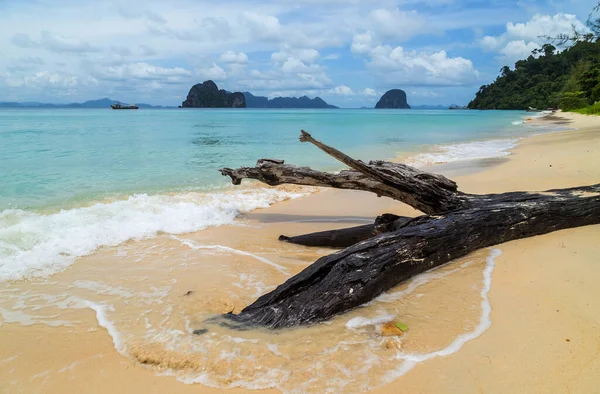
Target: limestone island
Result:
[253, 101]
[208, 95]
[393, 99]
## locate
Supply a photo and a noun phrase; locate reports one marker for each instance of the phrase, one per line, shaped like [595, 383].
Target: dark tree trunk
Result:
[345, 237]
[429, 193]
[395, 249]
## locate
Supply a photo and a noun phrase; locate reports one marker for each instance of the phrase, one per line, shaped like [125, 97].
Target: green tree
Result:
[548, 49]
[573, 100]
[543, 79]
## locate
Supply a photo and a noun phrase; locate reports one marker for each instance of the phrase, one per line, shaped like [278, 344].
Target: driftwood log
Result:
[394, 249]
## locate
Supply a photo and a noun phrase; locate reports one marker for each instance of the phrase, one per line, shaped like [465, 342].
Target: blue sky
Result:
[348, 52]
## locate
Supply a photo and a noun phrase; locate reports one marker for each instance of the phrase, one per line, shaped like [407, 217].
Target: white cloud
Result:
[490, 43]
[133, 12]
[135, 47]
[232, 57]
[363, 43]
[369, 92]
[427, 93]
[215, 73]
[306, 56]
[331, 56]
[294, 65]
[54, 82]
[121, 50]
[542, 25]
[142, 71]
[397, 24]
[262, 26]
[211, 29]
[399, 66]
[46, 79]
[518, 49]
[292, 75]
[145, 50]
[394, 64]
[11, 81]
[52, 42]
[341, 90]
[291, 69]
[520, 39]
[299, 63]
[32, 60]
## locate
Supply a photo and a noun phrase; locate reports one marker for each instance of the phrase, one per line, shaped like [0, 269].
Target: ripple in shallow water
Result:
[150, 295]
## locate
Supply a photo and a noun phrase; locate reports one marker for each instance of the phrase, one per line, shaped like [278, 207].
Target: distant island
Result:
[424, 106]
[208, 95]
[100, 103]
[393, 99]
[253, 101]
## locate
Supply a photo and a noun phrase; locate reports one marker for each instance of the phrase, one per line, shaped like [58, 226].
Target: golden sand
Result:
[544, 336]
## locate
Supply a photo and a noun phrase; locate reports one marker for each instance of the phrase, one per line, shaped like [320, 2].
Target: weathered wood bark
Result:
[345, 237]
[351, 277]
[333, 238]
[404, 247]
[429, 193]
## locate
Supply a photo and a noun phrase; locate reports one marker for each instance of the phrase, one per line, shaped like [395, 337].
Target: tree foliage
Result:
[549, 78]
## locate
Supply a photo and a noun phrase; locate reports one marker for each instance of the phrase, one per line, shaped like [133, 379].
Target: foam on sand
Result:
[152, 324]
[227, 249]
[463, 151]
[38, 245]
[103, 321]
[485, 321]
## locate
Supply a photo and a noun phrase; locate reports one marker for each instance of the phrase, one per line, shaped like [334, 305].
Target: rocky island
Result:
[208, 95]
[253, 101]
[393, 99]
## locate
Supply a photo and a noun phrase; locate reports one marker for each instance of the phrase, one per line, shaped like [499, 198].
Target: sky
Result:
[348, 52]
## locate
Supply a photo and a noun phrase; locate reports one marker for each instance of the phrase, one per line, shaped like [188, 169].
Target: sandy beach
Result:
[544, 335]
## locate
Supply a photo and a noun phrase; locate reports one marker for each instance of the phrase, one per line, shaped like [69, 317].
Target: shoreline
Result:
[194, 210]
[530, 273]
[107, 197]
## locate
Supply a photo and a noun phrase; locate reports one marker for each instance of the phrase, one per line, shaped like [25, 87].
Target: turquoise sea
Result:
[77, 179]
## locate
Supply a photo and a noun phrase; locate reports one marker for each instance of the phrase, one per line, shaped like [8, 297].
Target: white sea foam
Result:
[105, 322]
[485, 321]
[33, 244]
[360, 321]
[227, 249]
[464, 151]
[18, 316]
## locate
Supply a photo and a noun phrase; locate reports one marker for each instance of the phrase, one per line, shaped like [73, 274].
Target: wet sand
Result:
[545, 332]
[545, 309]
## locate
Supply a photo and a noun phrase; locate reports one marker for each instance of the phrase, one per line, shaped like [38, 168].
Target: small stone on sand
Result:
[392, 344]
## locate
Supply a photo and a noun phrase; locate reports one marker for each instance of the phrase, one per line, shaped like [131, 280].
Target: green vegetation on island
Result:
[550, 78]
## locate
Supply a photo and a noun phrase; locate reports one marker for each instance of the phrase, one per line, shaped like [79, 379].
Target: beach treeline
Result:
[564, 73]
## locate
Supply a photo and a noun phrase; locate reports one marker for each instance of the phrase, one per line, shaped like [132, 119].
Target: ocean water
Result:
[62, 157]
[101, 211]
[75, 180]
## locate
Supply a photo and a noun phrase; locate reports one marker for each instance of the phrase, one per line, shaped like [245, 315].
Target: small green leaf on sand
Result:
[401, 326]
